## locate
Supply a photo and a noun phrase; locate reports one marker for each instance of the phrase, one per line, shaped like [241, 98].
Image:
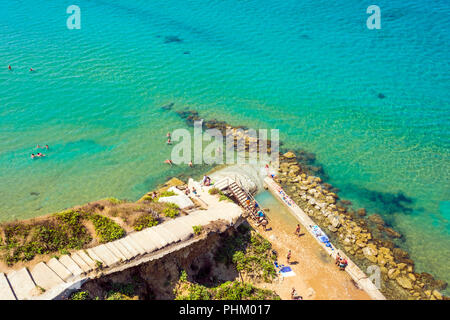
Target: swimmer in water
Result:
[169, 141]
[32, 156]
[190, 164]
[31, 69]
[9, 67]
[168, 135]
[168, 161]
[40, 155]
[38, 147]
[46, 146]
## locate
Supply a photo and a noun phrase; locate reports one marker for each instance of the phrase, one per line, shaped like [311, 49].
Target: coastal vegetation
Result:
[251, 254]
[61, 232]
[197, 230]
[106, 229]
[230, 290]
[81, 227]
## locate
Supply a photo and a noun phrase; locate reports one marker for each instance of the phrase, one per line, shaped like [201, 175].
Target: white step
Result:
[130, 242]
[6, 293]
[129, 246]
[22, 284]
[70, 265]
[144, 241]
[45, 277]
[59, 269]
[160, 242]
[105, 255]
[80, 262]
[116, 251]
[91, 263]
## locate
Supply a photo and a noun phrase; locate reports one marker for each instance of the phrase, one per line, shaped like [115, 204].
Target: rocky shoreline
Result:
[367, 239]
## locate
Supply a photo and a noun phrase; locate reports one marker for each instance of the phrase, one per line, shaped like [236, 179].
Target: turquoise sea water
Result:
[309, 68]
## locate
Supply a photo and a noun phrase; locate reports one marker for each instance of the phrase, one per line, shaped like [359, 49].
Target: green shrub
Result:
[171, 210]
[106, 229]
[167, 194]
[115, 201]
[235, 290]
[213, 191]
[145, 221]
[250, 253]
[197, 230]
[80, 295]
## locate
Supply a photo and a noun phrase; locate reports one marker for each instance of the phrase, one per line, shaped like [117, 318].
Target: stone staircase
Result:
[240, 194]
[46, 280]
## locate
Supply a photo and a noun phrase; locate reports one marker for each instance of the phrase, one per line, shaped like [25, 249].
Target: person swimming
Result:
[190, 164]
[169, 141]
[168, 135]
[168, 161]
[46, 146]
[31, 69]
[33, 156]
[9, 67]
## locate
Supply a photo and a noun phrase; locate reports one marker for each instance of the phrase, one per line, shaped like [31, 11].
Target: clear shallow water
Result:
[311, 69]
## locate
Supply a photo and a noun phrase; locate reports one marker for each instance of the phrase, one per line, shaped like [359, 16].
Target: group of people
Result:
[187, 191]
[341, 262]
[39, 154]
[169, 142]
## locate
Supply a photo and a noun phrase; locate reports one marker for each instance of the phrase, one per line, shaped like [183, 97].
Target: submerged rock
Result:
[377, 219]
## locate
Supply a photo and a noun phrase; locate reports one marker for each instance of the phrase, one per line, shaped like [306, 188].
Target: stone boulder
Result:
[289, 155]
[392, 233]
[377, 219]
[404, 282]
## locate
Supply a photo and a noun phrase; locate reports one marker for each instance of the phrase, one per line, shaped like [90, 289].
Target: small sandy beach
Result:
[317, 278]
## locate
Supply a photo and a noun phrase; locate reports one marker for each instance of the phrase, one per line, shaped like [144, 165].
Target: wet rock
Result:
[392, 233]
[404, 282]
[289, 155]
[400, 253]
[393, 273]
[376, 218]
[361, 212]
[437, 295]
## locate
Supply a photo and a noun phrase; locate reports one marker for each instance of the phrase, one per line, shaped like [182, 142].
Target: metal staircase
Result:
[236, 188]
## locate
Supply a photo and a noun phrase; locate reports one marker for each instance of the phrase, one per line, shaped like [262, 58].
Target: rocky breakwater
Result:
[367, 240]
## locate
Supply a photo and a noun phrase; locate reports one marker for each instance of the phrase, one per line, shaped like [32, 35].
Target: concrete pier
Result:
[352, 269]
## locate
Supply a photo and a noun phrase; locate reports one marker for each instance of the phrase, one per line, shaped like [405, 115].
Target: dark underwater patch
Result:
[168, 106]
[381, 96]
[387, 202]
[171, 39]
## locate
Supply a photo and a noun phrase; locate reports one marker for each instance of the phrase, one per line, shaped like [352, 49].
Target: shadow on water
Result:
[386, 202]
